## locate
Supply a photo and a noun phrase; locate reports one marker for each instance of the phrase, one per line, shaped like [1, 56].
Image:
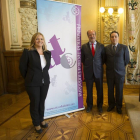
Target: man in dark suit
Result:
[93, 54]
[117, 57]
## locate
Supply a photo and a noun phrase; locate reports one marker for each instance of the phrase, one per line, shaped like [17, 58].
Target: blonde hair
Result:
[32, 44]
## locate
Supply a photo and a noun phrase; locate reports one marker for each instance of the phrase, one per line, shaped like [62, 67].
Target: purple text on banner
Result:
[78, 47]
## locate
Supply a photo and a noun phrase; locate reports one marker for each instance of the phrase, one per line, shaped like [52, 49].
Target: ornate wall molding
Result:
[28, 24]
[99, 23]
[110, 3]
[110, 24]
[28, 4]
[13, 25]
[124, 41]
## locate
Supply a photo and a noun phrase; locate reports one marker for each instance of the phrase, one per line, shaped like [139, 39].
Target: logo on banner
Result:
[75, 10]
[67, 17]
[65, 60]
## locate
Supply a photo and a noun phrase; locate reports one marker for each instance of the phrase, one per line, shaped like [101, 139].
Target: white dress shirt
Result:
[94, 44]
[43, 61]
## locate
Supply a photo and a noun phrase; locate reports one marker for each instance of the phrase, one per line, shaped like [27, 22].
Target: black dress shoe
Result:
[45, 125]
[39, 131]
[88, 109]
[100, 110]
[110, 108]
[119, 111]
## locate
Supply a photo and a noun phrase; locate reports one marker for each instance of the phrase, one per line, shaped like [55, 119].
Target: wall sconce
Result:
[102, 9]
[120, 10]
[110, 17]
[111, 10]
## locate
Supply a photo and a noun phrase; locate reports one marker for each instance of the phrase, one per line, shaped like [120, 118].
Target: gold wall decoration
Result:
[110, 24]
[111, 3]
[124, 33]
[28, 15]
[99, 23]
[109, 19]
[27, 4]
[28, 24]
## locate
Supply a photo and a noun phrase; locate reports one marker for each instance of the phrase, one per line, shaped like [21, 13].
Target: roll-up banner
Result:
[60, 23]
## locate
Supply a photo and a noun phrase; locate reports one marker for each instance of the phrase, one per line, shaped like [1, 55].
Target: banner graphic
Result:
[60, 23]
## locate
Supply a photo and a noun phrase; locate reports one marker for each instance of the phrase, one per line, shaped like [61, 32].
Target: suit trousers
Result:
[99, 88]
[117, 98]
[37, 96]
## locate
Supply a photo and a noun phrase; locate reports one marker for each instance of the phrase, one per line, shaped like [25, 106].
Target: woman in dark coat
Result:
[34, 66]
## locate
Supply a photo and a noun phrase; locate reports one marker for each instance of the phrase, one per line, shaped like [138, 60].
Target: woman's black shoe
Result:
[45, 125]
[39, 131]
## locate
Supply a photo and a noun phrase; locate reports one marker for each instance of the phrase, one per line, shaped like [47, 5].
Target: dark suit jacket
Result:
[93, 65]
[116, 62]
[31, 70]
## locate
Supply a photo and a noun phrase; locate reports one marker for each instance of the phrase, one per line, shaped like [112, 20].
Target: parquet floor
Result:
[15, 121]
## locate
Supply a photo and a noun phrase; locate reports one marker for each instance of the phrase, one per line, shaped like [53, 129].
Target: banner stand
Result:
[64, 113]
[60, 23]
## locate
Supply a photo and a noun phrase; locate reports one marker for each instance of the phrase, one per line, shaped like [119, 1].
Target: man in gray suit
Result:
[93, 54]
[117, 57]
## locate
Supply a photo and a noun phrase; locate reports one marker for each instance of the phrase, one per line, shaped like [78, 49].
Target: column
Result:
[13, 25]
[28, 14]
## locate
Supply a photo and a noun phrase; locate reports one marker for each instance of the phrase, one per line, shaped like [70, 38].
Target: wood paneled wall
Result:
[11, 80]
[15, 82]
[2, 70]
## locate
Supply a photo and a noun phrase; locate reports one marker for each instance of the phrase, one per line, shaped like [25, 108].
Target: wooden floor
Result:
[16, 124]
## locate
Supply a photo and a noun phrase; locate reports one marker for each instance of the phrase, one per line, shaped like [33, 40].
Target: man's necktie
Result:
[114, 49]
[93, 51]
